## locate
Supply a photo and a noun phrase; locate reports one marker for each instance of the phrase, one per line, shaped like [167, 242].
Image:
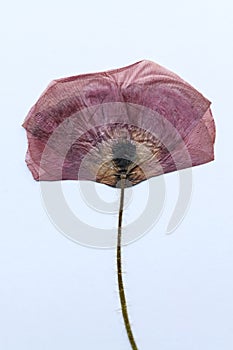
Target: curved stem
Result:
[119, 270]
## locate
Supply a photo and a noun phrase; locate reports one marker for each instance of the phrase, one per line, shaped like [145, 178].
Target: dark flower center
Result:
[124, 154]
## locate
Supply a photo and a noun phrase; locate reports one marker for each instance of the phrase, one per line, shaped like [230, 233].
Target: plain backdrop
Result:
[56, 294]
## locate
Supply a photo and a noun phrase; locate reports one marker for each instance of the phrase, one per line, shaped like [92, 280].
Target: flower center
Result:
[124, 154]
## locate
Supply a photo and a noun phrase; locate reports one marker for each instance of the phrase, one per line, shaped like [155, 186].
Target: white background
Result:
[55, 294]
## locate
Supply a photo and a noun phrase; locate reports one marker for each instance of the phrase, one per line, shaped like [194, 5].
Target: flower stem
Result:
[119, 270]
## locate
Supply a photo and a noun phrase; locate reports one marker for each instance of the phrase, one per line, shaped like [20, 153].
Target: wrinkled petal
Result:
[73, 126]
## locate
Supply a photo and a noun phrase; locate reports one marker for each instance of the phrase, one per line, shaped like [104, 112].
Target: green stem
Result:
[119, 270]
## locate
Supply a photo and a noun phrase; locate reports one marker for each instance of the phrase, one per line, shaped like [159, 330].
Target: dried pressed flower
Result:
[119, 128]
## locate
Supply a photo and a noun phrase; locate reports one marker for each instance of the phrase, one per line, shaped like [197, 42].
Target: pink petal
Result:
[77, 117]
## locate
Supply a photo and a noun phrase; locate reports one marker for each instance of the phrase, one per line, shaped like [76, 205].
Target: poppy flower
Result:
[166, 123]
[119, 127]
